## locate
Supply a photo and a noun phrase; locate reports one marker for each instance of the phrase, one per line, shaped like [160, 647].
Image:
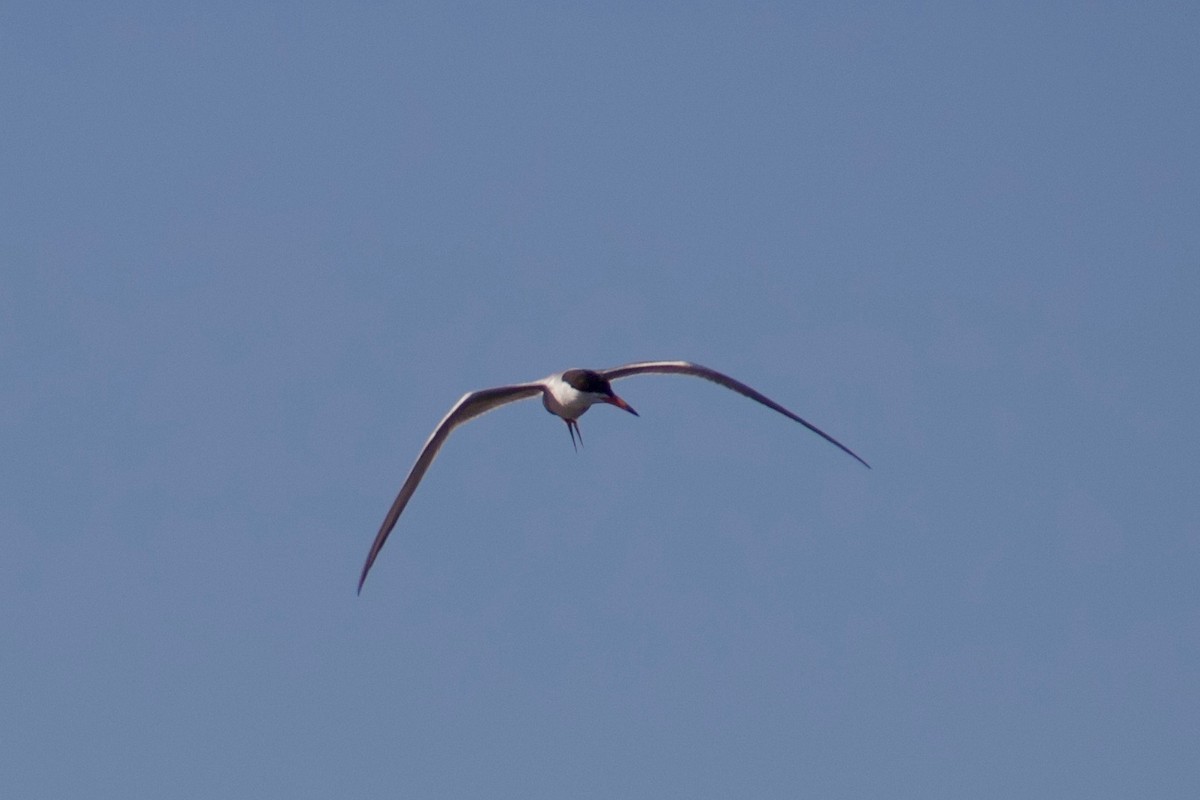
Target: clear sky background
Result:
[251, 253]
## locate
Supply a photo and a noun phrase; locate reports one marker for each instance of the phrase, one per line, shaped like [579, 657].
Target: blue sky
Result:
[251, 253]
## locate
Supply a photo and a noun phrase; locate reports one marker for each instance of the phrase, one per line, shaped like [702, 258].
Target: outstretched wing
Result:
[688, 368]
[470, 406]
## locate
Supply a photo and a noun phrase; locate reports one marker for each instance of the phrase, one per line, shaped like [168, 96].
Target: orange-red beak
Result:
[619, 403]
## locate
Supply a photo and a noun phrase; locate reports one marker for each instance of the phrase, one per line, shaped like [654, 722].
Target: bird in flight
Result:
[567, 395]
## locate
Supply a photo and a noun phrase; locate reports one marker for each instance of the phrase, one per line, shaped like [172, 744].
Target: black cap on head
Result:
[585, 380]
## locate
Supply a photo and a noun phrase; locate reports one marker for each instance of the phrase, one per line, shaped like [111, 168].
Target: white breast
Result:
[565, 400]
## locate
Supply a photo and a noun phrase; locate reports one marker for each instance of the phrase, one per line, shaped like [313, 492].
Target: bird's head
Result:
[596, 387]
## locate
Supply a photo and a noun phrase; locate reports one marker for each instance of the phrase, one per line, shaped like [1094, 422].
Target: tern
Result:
[567, 395]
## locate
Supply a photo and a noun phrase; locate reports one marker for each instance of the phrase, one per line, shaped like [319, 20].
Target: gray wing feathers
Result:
[698, 371]
[472, 405]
